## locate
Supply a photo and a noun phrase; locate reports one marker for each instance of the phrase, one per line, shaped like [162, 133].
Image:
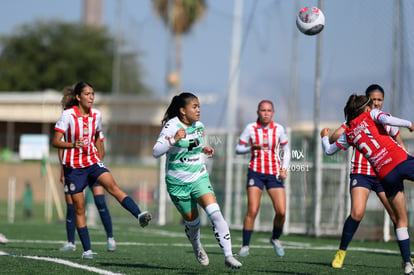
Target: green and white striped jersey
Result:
[185, 163]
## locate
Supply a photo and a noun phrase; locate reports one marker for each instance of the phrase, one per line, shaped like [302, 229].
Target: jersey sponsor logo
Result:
[193, 144]
[184, 159]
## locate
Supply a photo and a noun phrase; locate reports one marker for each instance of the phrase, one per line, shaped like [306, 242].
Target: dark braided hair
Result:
[178, 101]
[355, 106]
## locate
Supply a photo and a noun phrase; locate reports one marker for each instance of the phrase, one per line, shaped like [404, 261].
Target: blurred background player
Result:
[27, 200]
[263, 139]
[77, 132]
[188, 183]
[391, 163]
[362, 180]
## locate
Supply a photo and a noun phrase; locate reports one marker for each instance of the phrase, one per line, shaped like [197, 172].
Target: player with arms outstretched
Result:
[362, 181]
[391, 163]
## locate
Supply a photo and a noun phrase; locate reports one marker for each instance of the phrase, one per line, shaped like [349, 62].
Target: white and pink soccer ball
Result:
[310, 21]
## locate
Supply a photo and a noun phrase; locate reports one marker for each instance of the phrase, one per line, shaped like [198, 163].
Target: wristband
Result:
[171, 141]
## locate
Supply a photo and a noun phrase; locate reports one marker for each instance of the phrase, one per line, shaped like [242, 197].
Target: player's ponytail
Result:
[177, 102]
[355, 106]
[68, 99]
[69, 94]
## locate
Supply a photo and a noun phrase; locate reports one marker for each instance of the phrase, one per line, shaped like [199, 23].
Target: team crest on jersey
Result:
[251, 182]
[85, 131]
[72, 187]
[354, 182]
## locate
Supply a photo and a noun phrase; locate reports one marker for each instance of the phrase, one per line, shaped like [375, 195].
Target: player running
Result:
[188, 183]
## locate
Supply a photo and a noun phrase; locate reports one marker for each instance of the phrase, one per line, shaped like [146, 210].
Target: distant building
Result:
[131, 123]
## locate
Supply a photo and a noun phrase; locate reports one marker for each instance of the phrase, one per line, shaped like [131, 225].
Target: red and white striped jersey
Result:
[267, 159]
[372, 140]
[74, 126]
[359, 164]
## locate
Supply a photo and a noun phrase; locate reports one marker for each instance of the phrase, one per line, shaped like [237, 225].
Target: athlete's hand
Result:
[412, 127]
[283, 174]
[78, 143]
[325, 132]
[180, 134]
[208, 151]
[256, 147]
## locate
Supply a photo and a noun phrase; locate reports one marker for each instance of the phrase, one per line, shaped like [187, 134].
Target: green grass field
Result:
[33, 248]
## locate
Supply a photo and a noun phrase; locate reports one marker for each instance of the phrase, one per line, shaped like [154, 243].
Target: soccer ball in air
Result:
[310, 21]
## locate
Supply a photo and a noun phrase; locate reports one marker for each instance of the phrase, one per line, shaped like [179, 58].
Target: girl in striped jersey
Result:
[391, 163]
[97, 190]
[263, 139]
[362, 181]
[187, 179]
[77, 132]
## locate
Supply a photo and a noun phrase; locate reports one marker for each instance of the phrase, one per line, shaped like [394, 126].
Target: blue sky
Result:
[357, 51]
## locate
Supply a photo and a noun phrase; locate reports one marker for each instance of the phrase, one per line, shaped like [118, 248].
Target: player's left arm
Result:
[329, 148]
[99, 145]
[285, 161]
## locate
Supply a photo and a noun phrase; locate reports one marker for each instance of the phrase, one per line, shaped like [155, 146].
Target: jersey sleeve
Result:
[245, 136]
[386, 119]
[164, 140]
[63, 123]
[283, 136]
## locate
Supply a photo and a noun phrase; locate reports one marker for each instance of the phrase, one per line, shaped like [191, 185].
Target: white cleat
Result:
[201, 256]
[231, 262]
[3, 239]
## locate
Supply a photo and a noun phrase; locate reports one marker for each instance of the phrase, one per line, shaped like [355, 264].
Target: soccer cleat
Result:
[244, 251]
[111, 245]
[3, 239]
[68, 247]
[231, 262]
[201, 256]
[144, 218]
[339, 258]
[87, 254]
[278, 247]
[408, 269]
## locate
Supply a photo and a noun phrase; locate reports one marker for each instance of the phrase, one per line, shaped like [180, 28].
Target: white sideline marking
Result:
[64, 262]
[286, 244]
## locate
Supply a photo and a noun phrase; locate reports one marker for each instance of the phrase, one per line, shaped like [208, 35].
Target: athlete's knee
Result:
[357, 215]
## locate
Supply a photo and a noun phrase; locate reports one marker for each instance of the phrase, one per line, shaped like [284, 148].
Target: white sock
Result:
[220, 227]
[192, 230]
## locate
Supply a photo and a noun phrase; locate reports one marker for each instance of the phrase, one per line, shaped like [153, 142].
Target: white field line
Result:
[265, 245]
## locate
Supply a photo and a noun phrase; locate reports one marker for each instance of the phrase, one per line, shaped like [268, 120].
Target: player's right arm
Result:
[329, 148]
[337, 133]
[243, 146]
[170, 134]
